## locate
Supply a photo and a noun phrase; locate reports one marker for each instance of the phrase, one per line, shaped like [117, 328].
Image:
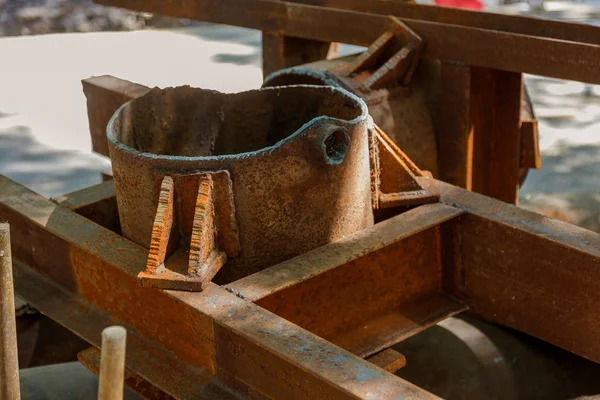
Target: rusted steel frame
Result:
[144, 357]
[372, 301]
[90, 358]
[97, 203]
[9, 363]
[331, 256]
[473, 46]
[530, 149]
[496, 125]
[389, 359]
[215, 333]
[105, 94]
[526, 271]
[531, 26]
[455, 136]
[279, 51]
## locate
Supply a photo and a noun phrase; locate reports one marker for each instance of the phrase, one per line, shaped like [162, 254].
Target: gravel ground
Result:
[35, 17]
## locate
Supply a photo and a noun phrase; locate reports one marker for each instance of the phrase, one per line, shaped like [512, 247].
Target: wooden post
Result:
[112, 363]
[496, 123]
[9, 362]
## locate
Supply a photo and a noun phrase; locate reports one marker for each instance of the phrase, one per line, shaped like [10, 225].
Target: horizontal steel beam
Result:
[536, 55]
[532, 26]
[527, 271]
[84, 276]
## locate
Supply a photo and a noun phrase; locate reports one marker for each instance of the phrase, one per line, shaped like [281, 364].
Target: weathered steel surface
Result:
[90, 358]
[432, 119]
[528, 272]
[530, 144]
[496, 104]
[576, 32]
[176, 337]
[389, 61]
[297, 156]
[97, 203]
[371, 302]
[9, 362]
[331, 256]
[455, 136]
[105, 94]
[578, 60]
[279, 51]
[389, 360]
[403, 113]
[189, 257]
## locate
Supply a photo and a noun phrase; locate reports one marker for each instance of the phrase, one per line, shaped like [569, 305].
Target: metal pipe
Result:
[9, 362]
[112, 363]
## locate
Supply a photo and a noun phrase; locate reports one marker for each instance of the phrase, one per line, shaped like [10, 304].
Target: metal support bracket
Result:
[400, 46]
[395, 180]
[191, 238]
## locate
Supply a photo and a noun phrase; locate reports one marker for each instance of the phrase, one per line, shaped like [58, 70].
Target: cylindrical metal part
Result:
[9, 362]
[112, 363]
[404, 113]
[298, 158]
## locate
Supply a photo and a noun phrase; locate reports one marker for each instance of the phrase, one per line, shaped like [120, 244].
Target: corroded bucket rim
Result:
[364, 114]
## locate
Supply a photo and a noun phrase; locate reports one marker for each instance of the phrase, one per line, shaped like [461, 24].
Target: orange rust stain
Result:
[157, 316]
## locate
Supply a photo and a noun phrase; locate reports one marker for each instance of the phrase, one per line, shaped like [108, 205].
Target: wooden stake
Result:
[112, 363]
[9, 362]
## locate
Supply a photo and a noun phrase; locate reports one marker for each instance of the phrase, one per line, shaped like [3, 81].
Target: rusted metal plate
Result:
[389, 359]
[105, 94]
[528, 272]
[379, 332]
[530, 145]
[455, 136]
[372, 302]
[473, 46]
[496, 123]
[331, 256]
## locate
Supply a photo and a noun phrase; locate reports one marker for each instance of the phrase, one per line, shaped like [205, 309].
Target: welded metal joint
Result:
[401, 46]
[395, 180]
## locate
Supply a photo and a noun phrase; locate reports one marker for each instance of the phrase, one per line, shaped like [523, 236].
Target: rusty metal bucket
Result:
[403, 112]
[249, 179]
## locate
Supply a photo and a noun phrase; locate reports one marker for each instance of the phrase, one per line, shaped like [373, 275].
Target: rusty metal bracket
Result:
[401, 41]
[395, 180]
[188, 257]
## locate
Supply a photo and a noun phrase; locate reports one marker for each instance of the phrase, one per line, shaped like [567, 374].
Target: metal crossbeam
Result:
[574, 60]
